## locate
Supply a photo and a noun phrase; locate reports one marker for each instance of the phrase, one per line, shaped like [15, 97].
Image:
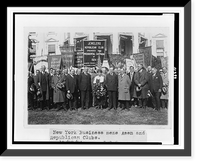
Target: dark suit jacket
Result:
[141, 78]
[38, 80]
[84, 82]
[71, 83]
[111, 82]
[132, 83]
[30, 82]
[156, 82]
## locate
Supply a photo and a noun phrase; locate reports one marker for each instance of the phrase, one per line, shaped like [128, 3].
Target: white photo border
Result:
[181, 79]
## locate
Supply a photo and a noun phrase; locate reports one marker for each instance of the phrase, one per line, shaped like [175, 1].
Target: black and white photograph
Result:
[96, 78]
[98, 75]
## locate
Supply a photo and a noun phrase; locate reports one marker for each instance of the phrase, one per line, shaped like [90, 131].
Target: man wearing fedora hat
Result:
[156, 84]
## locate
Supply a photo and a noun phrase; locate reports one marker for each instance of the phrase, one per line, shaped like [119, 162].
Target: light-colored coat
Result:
[58, 95]
[165, 82]
[124, 84]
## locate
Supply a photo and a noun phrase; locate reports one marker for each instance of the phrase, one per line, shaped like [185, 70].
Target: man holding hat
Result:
[85, 88]
[42, 84]
[58, 84]
[156, 84]
[165, 93]
[71, 84]
[112, 87]
[141, 82]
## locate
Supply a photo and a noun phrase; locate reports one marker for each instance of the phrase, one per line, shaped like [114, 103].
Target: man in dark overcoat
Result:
[42, 84]
[112, 88]
[85, 88]
[149, 100]
[156, 84]
[31, 91]
[141, 82]
[71, 84]
[51, 74]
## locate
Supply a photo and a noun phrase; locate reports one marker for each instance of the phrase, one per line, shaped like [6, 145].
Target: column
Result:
[91, 35]
[72, 35]
[115, 43]
[153, 46]
[136, 43]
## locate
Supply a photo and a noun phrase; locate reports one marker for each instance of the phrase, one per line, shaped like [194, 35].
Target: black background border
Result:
[150, 152]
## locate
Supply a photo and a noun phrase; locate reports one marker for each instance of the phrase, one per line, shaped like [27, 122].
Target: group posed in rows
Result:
[111, 88]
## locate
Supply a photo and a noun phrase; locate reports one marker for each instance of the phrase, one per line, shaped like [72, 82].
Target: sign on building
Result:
[91, 50]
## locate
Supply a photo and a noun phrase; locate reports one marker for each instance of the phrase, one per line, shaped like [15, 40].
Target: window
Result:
[51, 49]
[160, 44]
[126, 44]
[160, 47]
[108, 42]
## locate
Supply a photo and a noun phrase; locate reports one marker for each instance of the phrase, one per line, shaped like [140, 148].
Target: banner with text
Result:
[78, 59]
[147, 51]
[139, 58]
[91, 50]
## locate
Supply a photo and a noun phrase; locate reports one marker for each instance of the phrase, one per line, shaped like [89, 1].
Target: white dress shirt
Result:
[100, 78]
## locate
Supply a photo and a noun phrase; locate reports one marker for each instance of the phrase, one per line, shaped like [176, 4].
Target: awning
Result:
[79, 37]
[102, 34]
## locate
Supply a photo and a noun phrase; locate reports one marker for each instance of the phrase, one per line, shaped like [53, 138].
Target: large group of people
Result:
[101, 88]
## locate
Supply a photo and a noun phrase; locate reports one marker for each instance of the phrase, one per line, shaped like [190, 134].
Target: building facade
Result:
[119, 41]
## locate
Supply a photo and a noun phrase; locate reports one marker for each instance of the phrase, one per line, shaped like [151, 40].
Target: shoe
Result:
[135, 106]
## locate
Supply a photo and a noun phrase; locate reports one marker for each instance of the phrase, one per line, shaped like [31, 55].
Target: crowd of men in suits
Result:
[71, 89]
